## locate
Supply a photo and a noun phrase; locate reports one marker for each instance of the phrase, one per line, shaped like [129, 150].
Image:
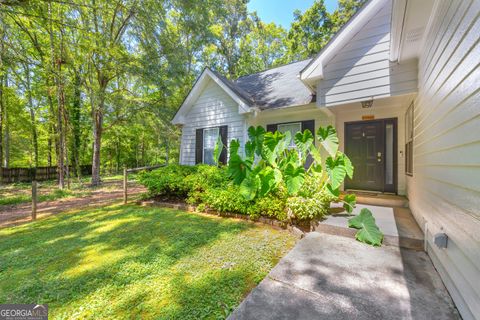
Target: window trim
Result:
[203, 142]
[409, 133]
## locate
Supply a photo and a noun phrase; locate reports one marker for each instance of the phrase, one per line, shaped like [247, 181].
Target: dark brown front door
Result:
[371, 147]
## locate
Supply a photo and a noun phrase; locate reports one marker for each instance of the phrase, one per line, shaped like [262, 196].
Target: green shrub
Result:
[227, 200]
[312, 201]
[307, 208]
[169, 180]
[271, 206]
[205, 177]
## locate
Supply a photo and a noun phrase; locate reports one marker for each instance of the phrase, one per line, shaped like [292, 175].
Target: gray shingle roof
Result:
[242, 94]
[276, 88]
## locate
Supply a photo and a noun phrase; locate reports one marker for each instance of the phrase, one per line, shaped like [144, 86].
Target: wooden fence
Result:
[10, 175]
[125, 177]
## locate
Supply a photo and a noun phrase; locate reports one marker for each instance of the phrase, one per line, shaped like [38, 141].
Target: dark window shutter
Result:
[310, 125]
[272, 127]
[224, 136]
[199, 146]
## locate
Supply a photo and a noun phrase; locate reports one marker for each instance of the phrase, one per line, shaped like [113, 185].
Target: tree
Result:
[107, 26]
[309, 32]
[262, 47]
[346, 9]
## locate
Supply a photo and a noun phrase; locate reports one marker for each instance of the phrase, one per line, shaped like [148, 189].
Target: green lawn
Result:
[136, 262]
[21, 192]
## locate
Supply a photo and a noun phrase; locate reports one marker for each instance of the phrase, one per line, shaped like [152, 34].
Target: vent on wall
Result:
[414, 35]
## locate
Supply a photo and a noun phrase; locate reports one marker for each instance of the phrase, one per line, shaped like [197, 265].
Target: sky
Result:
[281, 11]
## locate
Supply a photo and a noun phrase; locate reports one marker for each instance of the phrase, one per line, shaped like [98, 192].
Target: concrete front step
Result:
[384, 200]
[397, 224]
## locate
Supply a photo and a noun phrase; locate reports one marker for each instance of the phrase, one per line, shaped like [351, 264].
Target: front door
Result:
[371, 145]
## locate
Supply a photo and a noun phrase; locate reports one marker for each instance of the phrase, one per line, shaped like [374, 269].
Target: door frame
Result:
[384, 121]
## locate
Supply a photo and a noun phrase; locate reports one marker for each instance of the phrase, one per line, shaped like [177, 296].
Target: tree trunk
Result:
[97, 114]
[61, 134]
[6, 141]
[75, 122]
[32, 117]
[2, 107]
[117, 155]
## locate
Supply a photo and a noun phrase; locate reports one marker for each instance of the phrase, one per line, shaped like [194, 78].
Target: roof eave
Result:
[314, 70]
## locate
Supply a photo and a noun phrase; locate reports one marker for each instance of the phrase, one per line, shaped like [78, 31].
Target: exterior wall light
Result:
[367, 103]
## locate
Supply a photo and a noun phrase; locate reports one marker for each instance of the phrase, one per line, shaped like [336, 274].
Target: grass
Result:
[49, 196]
[18, 193]
[136, 262]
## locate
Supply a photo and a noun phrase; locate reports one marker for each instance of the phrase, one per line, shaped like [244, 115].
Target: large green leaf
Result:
[272, 146]
[336, 171]
[303, 141]
[348, 166]
[234, 146]
[317, 158]
[250, 185]
[217, 150]
[250, 150]
[268, 181]
[368, 230]
[256, 136]
[328, 139]
[237, 167]
[349, 202]
[294, 177]
[332, 191]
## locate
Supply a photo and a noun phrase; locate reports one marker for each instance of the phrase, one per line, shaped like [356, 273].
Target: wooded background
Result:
[97, 82]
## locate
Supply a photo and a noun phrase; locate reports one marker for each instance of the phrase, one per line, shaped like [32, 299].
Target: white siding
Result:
[444, 191]
[362, 69]
[213, 108]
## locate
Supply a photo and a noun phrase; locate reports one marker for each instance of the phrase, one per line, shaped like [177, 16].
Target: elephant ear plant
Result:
[269, 164]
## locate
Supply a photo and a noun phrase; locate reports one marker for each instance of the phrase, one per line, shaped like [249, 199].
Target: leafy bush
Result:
[269, 163]
[204, 178]
[270, 206]
[226, 200]
[303, 208]
[169, 180]
[270, 180]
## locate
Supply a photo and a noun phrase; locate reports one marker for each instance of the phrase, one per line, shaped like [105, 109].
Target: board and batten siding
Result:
[213, 108]
[444, 191]
[362, 69]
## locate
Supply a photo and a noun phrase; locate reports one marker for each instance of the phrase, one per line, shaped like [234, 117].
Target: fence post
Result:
[34, 199]
[125, 182]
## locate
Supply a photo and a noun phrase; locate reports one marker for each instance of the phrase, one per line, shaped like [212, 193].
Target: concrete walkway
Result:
[333, 277]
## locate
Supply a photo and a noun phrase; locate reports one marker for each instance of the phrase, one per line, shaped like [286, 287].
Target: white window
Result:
[293, 128]
[210, 137]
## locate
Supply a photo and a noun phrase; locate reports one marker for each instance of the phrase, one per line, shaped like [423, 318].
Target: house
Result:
[400, 82]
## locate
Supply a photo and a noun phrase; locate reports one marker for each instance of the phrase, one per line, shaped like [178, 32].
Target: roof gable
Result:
[314, 70]
[239, 96]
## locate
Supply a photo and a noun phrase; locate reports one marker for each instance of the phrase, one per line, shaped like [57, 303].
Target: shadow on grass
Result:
[71, 259]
